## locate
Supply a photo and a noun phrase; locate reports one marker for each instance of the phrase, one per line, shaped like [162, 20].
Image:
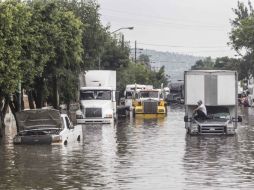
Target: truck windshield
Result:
[218, 112]
[149, 94]
[128, 95]
[95, 95]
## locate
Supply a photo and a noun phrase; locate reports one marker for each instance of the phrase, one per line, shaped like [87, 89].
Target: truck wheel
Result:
[65, 142]
[78, 139]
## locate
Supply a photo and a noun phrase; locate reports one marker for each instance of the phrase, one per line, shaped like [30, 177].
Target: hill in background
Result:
[175, 63]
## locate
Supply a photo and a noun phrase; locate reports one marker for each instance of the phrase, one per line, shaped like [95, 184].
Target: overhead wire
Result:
[163, 20]
[166, 22]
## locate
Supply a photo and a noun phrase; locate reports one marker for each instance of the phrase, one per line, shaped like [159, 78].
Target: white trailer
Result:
[97, 97]
[217, 89]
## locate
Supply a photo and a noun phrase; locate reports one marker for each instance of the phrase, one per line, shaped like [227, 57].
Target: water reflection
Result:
[221, 162]
[136, 153]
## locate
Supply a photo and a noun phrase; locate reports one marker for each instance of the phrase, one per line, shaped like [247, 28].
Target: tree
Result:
[144, 59]
[226, 63]
[159, 78]
[14, 24]
[61, 32]
[204, 64]
[242, 38]
[140, 74]
[101, 49]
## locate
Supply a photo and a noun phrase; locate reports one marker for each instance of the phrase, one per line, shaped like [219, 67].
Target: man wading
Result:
[201, 111]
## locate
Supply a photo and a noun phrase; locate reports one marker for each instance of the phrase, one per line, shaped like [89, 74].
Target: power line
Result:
[128, 13]
[178, 46]
[162, 20]
[165, 24]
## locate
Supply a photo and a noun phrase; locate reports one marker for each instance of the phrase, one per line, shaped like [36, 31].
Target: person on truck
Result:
[201, 111]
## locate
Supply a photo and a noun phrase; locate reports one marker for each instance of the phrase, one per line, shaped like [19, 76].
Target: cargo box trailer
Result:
[217, 89]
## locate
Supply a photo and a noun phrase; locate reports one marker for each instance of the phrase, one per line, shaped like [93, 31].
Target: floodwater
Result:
[138, 154]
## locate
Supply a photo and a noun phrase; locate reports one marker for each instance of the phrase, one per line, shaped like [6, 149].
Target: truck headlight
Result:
[108, 116]
[138, 110]
[79, 117]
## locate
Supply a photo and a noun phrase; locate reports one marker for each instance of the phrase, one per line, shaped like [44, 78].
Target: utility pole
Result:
[20, 96]
[135, 58]
[99, 62]
[122, 41]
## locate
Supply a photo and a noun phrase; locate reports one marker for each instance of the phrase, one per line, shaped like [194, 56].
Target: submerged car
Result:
[45, 126]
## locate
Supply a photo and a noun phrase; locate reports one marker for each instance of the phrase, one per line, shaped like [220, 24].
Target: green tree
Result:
[140, 74]
[203, 64]
[242, 38]
[159, 78]
[15, 18]
[226, 63]
[144, 59]
[102, 50]
[63, 43]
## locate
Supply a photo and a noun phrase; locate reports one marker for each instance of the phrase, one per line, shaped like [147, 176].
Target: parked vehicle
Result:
[150, 101]
[97, 97]
[176, 94]
[45, 126]
[249, 94]
[218, 91]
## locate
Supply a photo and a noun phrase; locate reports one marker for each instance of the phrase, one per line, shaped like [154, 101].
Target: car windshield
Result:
[149, 94]
[95, 95]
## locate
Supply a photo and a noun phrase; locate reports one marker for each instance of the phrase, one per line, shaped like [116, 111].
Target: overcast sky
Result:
[196, 27]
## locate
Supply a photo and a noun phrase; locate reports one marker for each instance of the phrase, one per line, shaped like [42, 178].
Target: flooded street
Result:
[136, 154]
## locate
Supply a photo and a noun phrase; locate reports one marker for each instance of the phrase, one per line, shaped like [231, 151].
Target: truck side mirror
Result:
[114, 96]
[186, 119]
[240, 119]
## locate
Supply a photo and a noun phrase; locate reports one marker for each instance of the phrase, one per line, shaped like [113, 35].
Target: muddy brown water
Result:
[135, 154]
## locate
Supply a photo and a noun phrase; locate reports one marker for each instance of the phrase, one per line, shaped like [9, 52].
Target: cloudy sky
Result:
[196, 27]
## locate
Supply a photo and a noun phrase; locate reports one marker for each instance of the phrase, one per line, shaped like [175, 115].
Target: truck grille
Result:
[93, 112]
[150, 107]
[221, 129]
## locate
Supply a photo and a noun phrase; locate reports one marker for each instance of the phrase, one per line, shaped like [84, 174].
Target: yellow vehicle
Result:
[150, 101]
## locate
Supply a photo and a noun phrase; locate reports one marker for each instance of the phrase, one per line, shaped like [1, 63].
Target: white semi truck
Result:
[97, 97]
[217, 89]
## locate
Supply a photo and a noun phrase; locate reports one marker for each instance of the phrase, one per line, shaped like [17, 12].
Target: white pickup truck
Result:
[46, 126]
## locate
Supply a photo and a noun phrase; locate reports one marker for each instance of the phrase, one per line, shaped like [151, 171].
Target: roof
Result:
[96, 88]
[210, 71]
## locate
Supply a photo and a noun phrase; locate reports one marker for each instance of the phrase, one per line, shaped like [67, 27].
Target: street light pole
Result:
[128, 28]
[135, 57]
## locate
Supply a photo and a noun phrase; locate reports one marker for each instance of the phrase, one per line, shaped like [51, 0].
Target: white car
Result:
[46, 126]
